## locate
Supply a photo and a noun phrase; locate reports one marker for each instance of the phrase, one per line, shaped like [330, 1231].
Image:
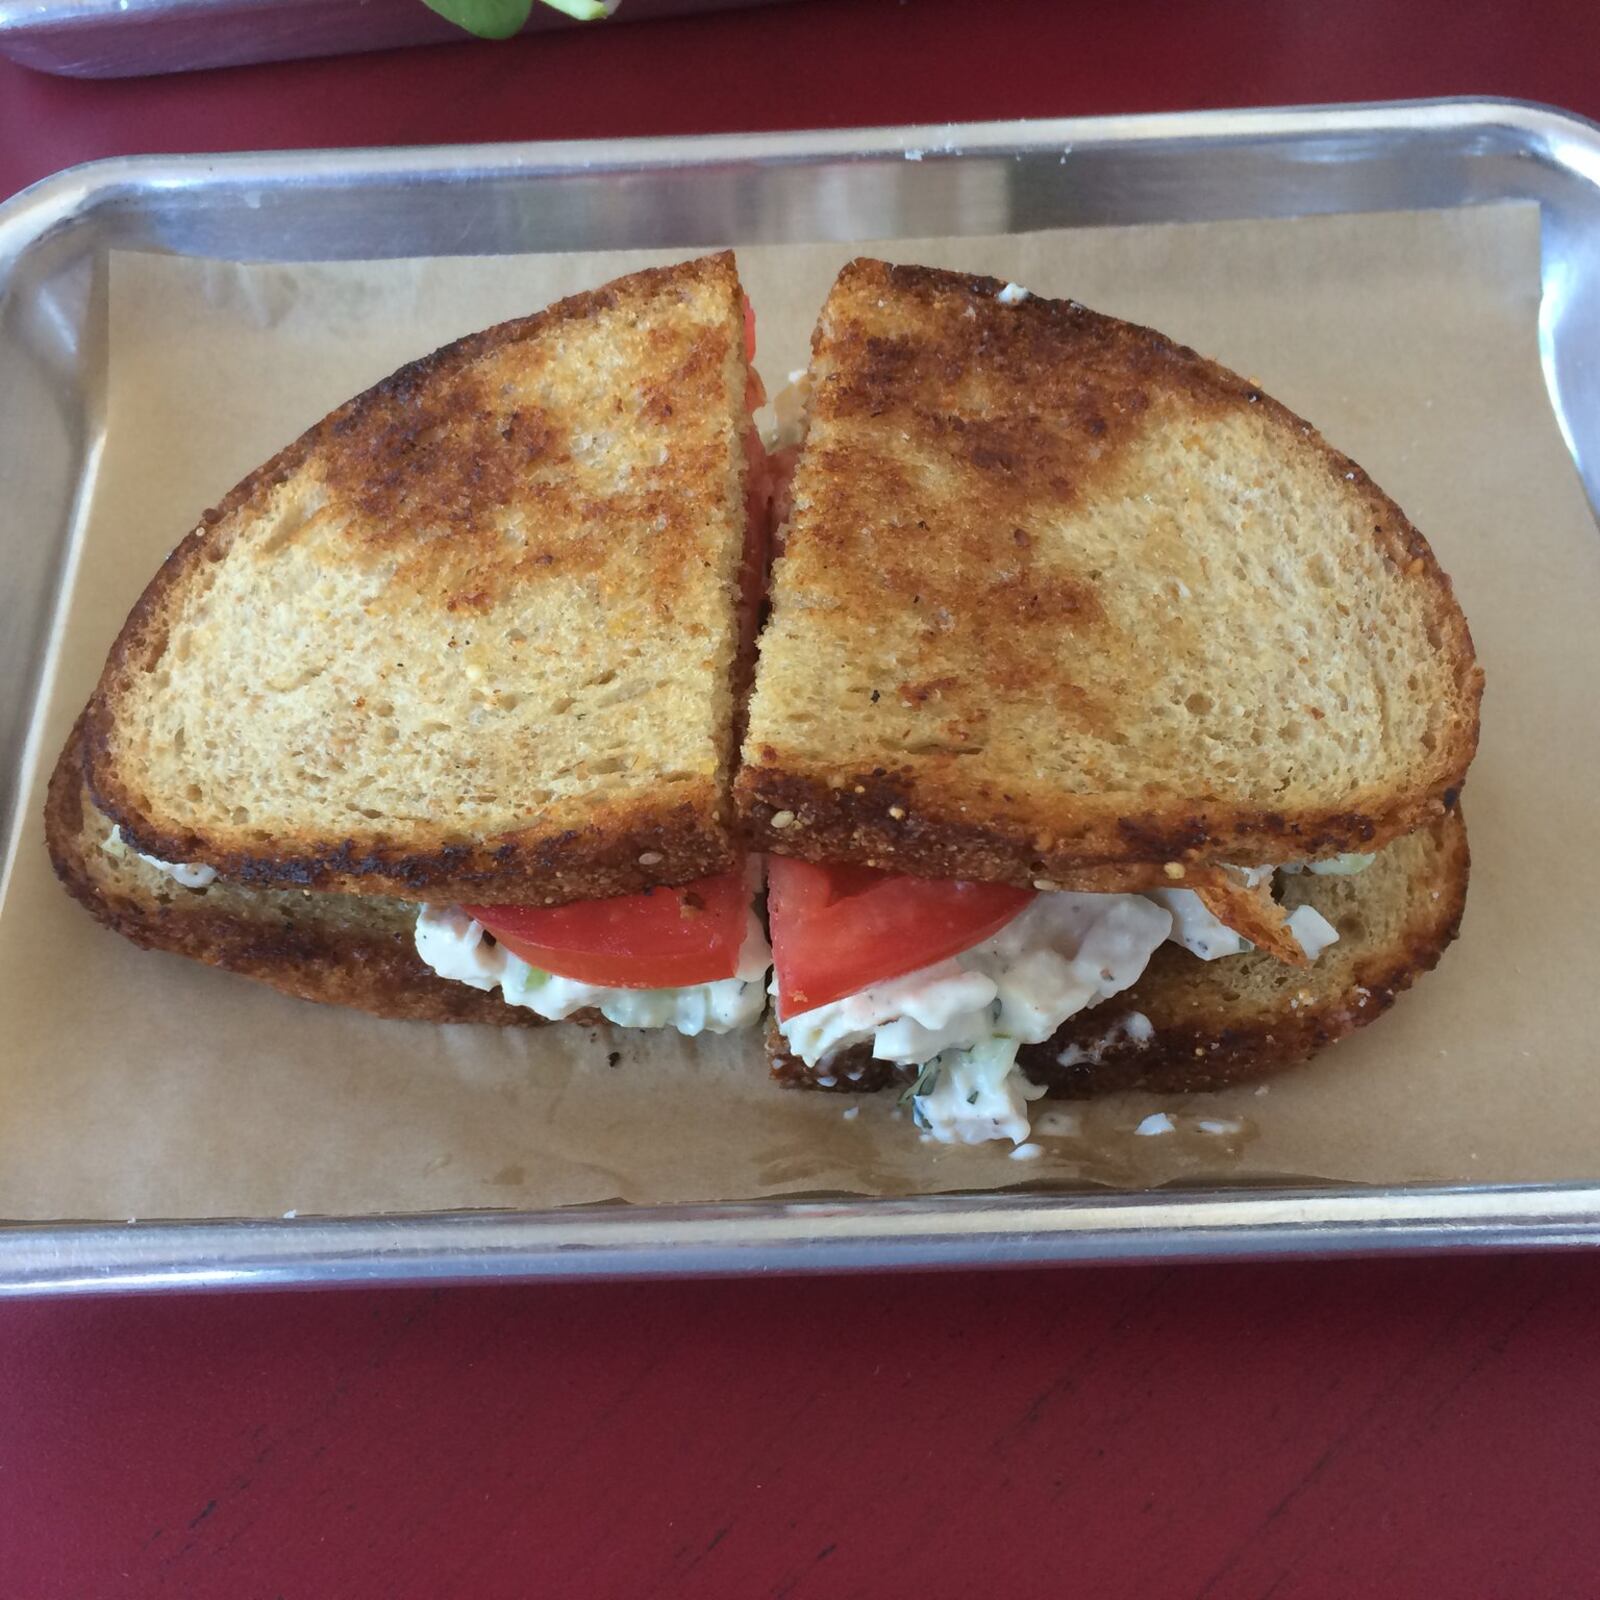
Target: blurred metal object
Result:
[995, 1230]
[135, 38]
[697, 193]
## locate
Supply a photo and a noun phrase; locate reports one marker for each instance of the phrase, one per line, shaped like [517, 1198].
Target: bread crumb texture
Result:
[1050, 571]
[477, 624]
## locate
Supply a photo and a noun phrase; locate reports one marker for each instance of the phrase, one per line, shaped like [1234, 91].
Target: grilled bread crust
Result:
[476, 629]
[352, 950]
[1057, 593]
[1215, 1023]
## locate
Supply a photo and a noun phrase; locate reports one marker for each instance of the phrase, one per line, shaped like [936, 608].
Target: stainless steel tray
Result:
[699, 192]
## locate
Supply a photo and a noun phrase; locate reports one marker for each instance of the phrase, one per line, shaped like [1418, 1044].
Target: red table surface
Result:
[1416, 1428]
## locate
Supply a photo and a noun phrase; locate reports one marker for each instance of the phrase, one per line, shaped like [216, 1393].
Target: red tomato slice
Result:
[837, 929]
[665, 938]
[749, 330]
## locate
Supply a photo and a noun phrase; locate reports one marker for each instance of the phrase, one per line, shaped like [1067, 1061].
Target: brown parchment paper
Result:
[141, 1084]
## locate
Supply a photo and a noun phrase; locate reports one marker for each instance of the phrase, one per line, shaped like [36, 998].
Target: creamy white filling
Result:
[1202, 933]
[961, 1021]
[1313, 930]
[454, 945]
[1062, 953]
[1196, 927]
[786, 424]
[971, 1096]
[191, 874]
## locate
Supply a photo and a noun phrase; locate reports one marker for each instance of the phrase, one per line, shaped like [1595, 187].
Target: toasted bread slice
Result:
[476, 629]
[1057, 592]
[1207, 1024]
[353, 950]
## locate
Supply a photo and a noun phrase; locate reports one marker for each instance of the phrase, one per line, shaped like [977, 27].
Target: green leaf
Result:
[488, 19]
[501, 19]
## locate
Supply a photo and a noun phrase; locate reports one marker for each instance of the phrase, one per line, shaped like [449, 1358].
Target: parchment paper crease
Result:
[140, 1084]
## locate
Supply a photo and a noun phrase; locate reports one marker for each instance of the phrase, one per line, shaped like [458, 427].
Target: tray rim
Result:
[787, 1238]
[68, 194]
[1026, 1228]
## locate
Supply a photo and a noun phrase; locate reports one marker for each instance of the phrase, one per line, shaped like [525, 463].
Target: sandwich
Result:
[436, 713]
[1108, 727]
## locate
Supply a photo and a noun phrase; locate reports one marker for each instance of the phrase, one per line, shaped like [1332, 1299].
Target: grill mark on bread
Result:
[438, 471]
[429, 455]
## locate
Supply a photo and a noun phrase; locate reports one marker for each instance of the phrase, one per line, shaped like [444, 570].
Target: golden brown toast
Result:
[1213, 1023]
[477, 627]
[1057, 593]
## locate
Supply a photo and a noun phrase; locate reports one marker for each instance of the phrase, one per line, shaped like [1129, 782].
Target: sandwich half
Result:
[476, 640]
[1059, 593]
[1082, 651]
